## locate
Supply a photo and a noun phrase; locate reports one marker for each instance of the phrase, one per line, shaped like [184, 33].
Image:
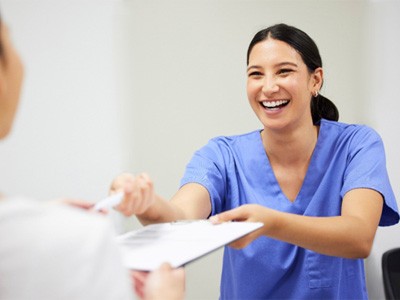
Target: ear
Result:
[317, 78]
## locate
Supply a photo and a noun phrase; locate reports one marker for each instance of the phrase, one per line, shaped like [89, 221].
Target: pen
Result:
[109, 202]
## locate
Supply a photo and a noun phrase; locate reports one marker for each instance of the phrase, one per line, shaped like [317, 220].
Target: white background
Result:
[140, 85]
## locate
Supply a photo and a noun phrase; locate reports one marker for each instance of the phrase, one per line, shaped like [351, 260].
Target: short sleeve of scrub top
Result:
[366, 168]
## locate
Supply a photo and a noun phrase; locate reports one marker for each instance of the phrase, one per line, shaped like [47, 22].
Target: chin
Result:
[272, 124]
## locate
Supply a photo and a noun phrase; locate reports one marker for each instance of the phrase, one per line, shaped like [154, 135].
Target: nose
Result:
[270, 86]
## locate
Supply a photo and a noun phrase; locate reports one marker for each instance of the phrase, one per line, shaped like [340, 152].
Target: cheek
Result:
[292, 84]
[298, 89]
[252, 90]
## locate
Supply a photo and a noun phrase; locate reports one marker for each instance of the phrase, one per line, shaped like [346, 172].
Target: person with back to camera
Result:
[320, 187]
[55, 251]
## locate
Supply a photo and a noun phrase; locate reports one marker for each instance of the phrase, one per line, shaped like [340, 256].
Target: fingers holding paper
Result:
[164, 283]
[138, 281]
[138, 193]
[245, 213]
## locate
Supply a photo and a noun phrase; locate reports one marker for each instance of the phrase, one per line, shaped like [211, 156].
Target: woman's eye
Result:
[284, 71]
[255, 74]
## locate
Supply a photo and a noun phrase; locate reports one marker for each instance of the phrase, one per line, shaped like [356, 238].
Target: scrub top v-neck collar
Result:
[309, 183]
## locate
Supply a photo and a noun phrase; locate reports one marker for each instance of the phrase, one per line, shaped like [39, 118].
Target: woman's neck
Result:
[290, 148]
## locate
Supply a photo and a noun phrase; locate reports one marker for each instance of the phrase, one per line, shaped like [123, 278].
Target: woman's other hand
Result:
[138, 193]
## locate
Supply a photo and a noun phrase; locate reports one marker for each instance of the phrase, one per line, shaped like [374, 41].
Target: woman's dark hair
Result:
[321, 107]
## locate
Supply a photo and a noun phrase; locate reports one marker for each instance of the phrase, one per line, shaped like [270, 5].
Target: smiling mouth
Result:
[274, 105]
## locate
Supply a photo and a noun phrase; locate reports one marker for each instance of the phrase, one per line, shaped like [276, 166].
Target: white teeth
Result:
[273, 104]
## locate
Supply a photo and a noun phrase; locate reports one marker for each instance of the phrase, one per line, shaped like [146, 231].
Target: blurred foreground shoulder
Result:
[58, 252]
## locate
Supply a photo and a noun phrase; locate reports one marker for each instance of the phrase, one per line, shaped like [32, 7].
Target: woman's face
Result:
[11, 74]
[280, 86]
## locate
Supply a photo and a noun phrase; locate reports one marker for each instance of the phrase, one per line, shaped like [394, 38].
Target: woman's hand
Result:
[163, 283]
[138, 193]
[245, 213]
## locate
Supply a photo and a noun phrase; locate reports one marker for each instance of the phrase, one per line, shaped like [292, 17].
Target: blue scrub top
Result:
[235, 170]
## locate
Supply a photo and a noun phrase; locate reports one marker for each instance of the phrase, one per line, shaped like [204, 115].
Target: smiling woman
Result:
[320, 187]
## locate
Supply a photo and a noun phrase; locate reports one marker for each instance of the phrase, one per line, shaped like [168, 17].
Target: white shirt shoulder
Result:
[58, 252]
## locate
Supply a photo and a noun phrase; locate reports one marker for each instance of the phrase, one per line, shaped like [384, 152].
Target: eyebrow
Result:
[275, 66]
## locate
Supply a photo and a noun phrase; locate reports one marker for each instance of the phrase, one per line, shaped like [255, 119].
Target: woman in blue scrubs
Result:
[319, 186]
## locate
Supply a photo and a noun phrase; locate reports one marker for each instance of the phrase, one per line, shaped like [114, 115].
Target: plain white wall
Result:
[66, 141]
[140, 85]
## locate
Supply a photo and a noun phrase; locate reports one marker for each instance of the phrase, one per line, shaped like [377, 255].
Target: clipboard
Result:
[178, 243]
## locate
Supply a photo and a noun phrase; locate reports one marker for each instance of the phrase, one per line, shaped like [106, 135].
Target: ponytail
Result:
[323, 108]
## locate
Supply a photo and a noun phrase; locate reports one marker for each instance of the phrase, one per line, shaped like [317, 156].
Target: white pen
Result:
[109, 202]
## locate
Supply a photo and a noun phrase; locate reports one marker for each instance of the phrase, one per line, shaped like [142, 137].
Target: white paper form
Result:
[178, 242]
